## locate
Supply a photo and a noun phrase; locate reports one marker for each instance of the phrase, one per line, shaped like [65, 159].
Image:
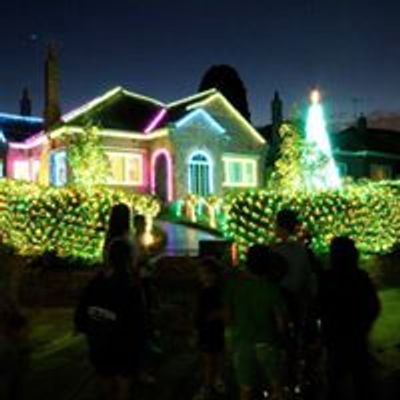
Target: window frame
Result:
[204, 166]
[245, 162]
[126, 156]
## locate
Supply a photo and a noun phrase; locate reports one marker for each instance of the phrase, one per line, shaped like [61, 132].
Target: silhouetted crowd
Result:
[285, 324]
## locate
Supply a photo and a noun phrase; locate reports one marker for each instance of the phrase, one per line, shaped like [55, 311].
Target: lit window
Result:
[126, 169]
[380, 172]
[199, 174]
[1, 169]
[133, 169]
[59, 169]
[117, 168]
[21, 170]
[240, 171]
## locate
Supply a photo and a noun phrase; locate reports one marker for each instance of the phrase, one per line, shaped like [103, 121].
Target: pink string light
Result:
[156, 120]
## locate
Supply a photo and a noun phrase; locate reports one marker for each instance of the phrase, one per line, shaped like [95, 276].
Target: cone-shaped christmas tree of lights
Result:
[317, 135]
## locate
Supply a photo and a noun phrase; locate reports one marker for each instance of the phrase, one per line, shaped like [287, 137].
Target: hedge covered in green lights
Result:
[68, 221]
[368, 212]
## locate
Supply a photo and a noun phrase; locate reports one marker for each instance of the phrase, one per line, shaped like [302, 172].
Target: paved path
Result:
[183, 240]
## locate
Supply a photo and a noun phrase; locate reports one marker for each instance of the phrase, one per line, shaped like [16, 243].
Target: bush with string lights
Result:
[69, 222]
[368, 212]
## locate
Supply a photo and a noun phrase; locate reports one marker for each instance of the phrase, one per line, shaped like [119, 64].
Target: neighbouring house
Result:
[198, 145]
[365, 152]
[15, 131]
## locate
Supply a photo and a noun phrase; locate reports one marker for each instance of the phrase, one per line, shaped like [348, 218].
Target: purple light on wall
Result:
[156, 120]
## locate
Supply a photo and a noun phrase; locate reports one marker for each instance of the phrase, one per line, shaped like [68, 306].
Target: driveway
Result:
[183, 240]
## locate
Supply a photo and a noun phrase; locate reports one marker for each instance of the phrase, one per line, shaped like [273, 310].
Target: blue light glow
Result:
[2, 137]
[59, 168]
[205, 116]
[20, 118]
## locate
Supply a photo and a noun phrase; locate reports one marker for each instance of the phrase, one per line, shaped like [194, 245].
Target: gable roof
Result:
[18, 128]
[226, 115]
[117, 109]
[200, 113]
[368, 139]
[120, 109]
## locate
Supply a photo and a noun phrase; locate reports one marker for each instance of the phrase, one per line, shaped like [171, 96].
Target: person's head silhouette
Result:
[343, 253]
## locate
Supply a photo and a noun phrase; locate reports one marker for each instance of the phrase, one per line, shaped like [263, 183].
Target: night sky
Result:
[350, 49]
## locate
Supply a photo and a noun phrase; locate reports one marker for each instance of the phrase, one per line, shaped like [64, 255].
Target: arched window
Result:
[200, 174]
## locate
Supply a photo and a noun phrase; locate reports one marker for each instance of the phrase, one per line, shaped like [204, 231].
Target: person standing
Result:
[111, 314]
[210, 327]
[119, 226]
[255, 311]
[299, 281]
[299, 286]
[349, 306]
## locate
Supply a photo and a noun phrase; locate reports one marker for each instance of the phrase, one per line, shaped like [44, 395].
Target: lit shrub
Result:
[68, 221]
[369, 213]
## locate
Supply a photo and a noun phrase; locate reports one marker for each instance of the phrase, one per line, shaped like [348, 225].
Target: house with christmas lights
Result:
[199, 145]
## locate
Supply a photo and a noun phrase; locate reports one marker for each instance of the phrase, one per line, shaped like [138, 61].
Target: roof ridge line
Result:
[90, 104]
[141, 96]
[210, 92]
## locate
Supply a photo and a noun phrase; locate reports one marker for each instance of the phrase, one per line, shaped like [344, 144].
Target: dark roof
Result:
[17, 128]
[368, 139]
[178, 109]
[121, 110]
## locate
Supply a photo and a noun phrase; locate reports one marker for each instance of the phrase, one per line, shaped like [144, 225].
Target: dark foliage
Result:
[227, 80]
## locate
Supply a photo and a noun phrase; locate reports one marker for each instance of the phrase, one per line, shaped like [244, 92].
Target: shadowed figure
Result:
[112, 315]
[349, 307]
[255, 310]
[14, 349]
[210, 327]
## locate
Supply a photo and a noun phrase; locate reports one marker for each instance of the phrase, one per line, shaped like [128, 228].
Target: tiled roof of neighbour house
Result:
[18, 128]
[369, 139]
[117, 109]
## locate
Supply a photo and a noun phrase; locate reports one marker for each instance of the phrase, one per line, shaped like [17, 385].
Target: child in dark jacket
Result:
[111, 313]
[210, 327]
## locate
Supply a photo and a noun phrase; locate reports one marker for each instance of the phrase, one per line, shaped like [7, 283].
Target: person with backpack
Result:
[111, 314]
